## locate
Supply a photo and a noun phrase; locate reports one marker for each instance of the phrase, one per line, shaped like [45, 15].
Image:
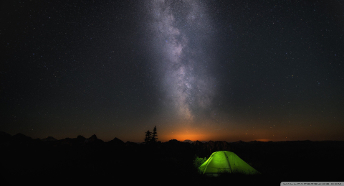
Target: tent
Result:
[225, 161]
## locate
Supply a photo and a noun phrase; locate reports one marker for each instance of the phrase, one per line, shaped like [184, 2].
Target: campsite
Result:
[91, 161]
[243, 92]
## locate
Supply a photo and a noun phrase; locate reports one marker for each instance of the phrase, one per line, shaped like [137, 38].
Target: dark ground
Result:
[90, 161]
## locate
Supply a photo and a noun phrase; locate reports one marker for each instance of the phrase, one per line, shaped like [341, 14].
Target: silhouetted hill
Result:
[116, 142]
[188, 141]
[80, 139]
[87, 161]
[49, 139]
[93, 139]
[21, 137]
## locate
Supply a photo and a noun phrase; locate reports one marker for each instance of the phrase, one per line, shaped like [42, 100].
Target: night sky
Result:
[199, 70]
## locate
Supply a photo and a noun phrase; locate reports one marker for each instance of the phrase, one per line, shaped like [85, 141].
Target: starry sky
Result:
[200, 70]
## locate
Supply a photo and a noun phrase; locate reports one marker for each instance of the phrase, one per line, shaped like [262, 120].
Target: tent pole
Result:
[229, 165]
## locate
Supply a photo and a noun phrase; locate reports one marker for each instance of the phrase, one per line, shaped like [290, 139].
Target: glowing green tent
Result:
[225, 161]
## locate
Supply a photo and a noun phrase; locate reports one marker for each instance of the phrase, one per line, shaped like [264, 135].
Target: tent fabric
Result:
[226, 161]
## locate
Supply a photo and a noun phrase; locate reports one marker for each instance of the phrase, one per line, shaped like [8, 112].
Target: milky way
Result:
[181, 32]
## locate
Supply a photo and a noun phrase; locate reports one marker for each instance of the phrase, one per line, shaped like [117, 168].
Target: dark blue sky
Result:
[206, 70]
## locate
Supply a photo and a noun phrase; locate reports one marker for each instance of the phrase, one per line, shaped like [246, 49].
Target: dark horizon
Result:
[83, 161]
[198, 70]
[159, 141]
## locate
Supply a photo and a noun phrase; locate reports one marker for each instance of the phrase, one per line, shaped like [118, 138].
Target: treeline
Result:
[80, 159]
[151, 137]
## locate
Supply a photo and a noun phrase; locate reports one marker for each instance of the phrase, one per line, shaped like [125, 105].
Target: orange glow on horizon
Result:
[236, 132]
[185, 136]
[264, 140]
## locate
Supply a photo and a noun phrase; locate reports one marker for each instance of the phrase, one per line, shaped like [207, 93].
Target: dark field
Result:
[90, 161]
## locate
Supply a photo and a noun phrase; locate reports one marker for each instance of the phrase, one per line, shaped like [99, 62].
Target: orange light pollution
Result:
[236, 132]
[188, 136]
[233, 131]
[213, 132]
[220, 136]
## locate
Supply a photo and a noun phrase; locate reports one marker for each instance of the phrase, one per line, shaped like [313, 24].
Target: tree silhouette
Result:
[151, 137]
[154, 135]
[148, 137]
